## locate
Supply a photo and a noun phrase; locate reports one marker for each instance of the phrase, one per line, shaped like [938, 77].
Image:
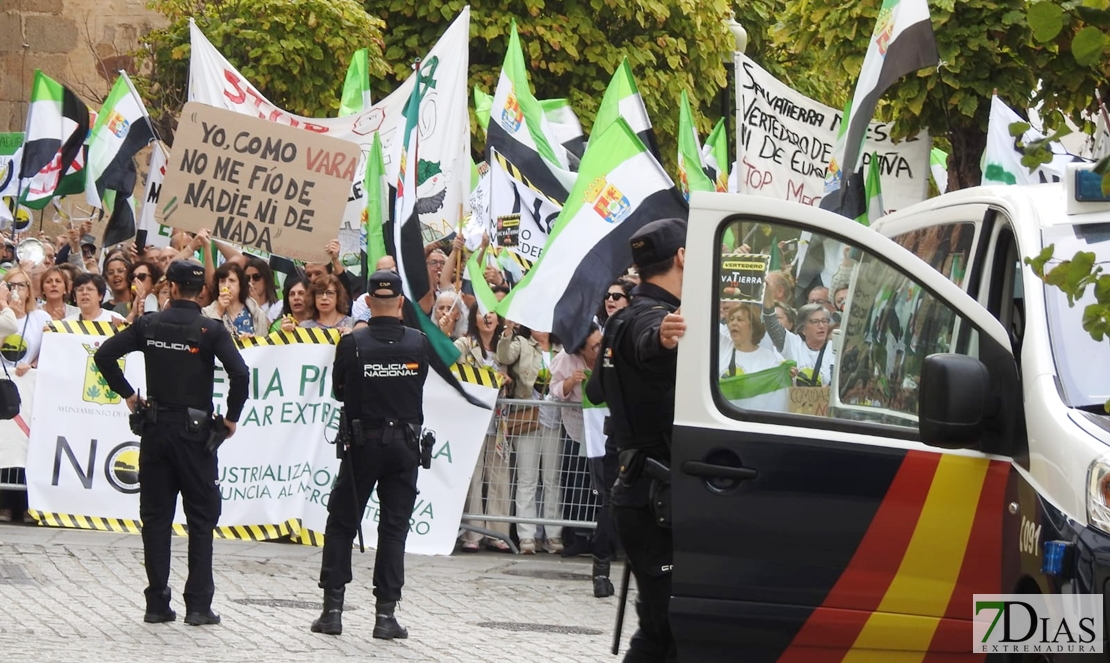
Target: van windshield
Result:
[1081, 361]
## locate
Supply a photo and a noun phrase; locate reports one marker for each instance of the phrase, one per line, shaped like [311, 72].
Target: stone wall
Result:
[79, 43]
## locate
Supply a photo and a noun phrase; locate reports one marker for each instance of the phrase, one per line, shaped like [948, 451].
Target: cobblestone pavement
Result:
[78, 596]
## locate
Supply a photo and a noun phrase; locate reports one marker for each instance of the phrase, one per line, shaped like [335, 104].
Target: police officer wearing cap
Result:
[379, 376]
[635, 377]
[180, 347]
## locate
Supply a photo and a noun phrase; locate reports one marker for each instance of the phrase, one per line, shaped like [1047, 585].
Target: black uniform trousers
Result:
[393, 468]
[170, 463]
[603, 474]
[649, 550]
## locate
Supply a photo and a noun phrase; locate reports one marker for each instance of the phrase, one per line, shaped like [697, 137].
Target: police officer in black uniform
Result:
[635, 377]
[180, 347]
[379, 376]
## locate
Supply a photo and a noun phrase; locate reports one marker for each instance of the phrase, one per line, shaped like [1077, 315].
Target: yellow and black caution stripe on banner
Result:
[309, 537]
[82, 327]
[524, 263]
[314, 335]
[515, 173]
[239, 532]
[482, 376]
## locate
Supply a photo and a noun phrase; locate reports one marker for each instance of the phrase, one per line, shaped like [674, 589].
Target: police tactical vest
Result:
[632, 394]
[178, 369]
[389, 378]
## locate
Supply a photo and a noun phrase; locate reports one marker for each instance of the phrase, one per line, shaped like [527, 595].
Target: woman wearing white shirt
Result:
[20, 349]
[89, 290]
[744, 355]
[809, 346]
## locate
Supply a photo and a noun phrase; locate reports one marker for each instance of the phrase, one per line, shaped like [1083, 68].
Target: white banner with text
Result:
[82, 457]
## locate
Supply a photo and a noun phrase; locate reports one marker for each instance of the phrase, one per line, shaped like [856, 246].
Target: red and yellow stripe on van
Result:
[935, 540]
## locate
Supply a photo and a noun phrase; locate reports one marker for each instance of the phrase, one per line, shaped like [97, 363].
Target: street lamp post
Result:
[740, 36]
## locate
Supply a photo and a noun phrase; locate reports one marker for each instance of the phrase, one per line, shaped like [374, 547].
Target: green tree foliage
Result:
[294, 51]
[984, 45]
[573, 48]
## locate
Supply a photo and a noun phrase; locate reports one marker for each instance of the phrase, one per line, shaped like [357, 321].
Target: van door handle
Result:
[696, 468]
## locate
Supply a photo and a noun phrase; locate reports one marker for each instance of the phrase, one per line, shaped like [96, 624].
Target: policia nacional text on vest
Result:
[178, 433]
[379, 377]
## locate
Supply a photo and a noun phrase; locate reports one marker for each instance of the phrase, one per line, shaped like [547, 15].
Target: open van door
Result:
[819, 518]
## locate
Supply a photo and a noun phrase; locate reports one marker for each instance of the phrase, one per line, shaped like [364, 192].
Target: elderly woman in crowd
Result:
[447, 313]
[55, 291]
[478, 349]
[327, 303]
[809, 346]
[527, 356]
[89, 289]
[745, 356]
[239, 313]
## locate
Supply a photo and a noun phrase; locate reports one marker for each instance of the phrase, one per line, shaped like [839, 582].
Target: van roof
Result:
[1044, 205]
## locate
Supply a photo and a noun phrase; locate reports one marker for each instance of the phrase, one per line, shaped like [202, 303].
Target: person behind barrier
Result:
[635, 376]
[180, 347]
[379, 376]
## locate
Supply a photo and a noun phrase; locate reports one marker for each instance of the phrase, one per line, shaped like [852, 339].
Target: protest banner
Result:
[786, 141]
[276, 473]
[264, 186]
[156, 234]
[511, 193]
[443, 189]
[809, 400]
[742, 277]
[508, 230]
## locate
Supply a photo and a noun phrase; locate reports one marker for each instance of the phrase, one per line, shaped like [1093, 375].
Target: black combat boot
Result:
[331, 620]
[385, 624]
[158, 607]
[201, 618]
[602, 586]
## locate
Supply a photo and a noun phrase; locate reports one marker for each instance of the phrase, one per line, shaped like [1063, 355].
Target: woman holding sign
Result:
[753, 377]
[809, 346]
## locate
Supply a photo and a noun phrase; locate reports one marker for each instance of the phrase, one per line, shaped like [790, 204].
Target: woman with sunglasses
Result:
[808, 346]
[261, 286]
[142, 277]
[615, 299]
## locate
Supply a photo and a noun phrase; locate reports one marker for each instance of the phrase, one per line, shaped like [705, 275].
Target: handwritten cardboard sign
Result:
[742, 277]
[259, 184]
[809, 400]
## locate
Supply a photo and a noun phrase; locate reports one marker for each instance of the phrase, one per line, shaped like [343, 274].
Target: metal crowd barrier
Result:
[11, 478]
[507, 458]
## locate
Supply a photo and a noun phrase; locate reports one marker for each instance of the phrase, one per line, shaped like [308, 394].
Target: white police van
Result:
[959, 447]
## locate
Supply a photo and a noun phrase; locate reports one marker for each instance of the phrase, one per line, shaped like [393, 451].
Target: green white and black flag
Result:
[621, 187]
[57, 126]
[902, 43]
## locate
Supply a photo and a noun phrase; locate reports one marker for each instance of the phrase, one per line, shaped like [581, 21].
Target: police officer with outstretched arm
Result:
[178, 434]
[635, 376]
[379, 377]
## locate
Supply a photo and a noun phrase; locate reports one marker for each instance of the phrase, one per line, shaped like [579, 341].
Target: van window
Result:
[856, 354]
[946, 248]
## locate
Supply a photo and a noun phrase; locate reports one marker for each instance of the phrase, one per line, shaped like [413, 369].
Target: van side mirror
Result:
[955, 402]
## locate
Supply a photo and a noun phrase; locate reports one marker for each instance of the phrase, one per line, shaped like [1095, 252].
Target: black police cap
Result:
[185, 272]
[383, 284]
[658, 241]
